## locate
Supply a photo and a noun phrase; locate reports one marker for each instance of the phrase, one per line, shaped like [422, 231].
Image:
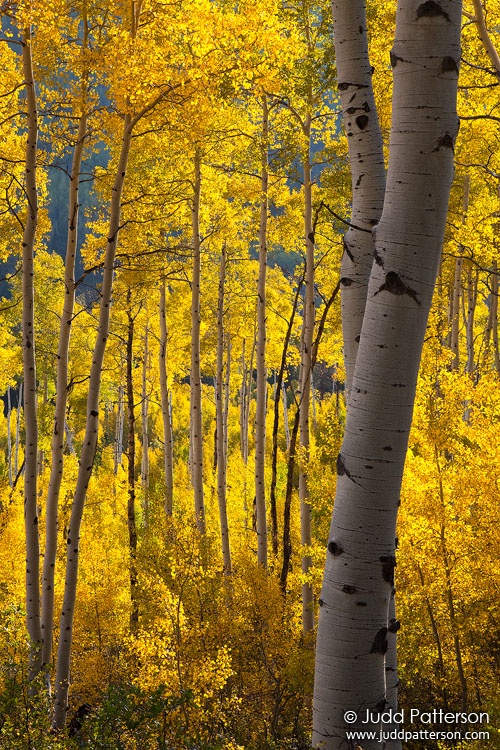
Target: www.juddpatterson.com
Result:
[382, 726]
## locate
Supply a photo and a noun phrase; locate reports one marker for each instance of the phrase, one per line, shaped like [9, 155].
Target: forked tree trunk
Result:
[260, 409]
[90, 439]
[366, 158]
[168, 443]
[221, 428]
[196, 416]
[29, 370]
[58, 432]
[359, 575]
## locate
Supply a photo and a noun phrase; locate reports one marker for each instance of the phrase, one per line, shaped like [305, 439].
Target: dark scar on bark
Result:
[379, 645]
[395, 285]
[334, 549]
[345, 281]
[349, 589]
[446, 141]
[345, 85]
[449, 65]
[395, 58]
[362, 121]
[378, 259]
[388, 565]
[364, 108]
[394, 626]
[431, 9]
[346, 249]
[357, 339]
[381, 704]
[342, 470]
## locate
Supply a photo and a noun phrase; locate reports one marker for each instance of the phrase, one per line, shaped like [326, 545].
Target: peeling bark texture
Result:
[60, 427]
[350, 670]
[168, 443]
[90, 440]
[29, 368]
[195, 404]
[364, 139]
[260, 409]
[221, 428]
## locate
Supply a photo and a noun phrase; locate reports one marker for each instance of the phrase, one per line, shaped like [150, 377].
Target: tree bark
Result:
[131, 521]
[260, 409]
[196, 414]
[90, 439]
[144, 427]
[308, 316]
[58, 432]
[366, 158]
[221, 428]
[29, 368]
[359, 574]
[168, 443]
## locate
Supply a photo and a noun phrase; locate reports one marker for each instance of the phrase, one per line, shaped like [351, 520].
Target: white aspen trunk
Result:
[359, 576]
[9, 436]
[455, 315]
[260, 409]
[58, 432]
[221, 426]
[243, 401]
[90, 440]
[366, 158]
[18, 428]
[227, 392]
[69, 439]
[308, 315]
[131, 521]
[165, 407]
[494, 315]
[120, 420]
[144, 421]
[29, 369]
[472, 281]
[196, 415]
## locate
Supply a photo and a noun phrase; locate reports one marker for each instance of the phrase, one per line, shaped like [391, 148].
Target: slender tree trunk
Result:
[472, 281]
[144, 426]
[221, 426]
[455, 315]
[435, 633]
[165, 407]
[131, 520]
[120, 420]
[359, 576]
[287, 539]
[494, 315]
[90, 440]
[308, 317]
[260, 410]
[58, 432]
[18, 428]
[29, 370]
[285, 415]
[196, 415]
[366, 158]
[278, 389]
[9, 436]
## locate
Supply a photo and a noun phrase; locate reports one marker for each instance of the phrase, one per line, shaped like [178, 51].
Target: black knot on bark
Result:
[446, 141]
[394, 58]
[449, 65]
[94, 413]
[388, 565]
[394, 284]
[431, 9]
[347, 589]
[362, 121]
[379, 645]
[394, 626]
[345, 281]
[335, 549]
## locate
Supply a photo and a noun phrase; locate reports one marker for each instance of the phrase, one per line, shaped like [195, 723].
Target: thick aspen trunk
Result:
[366, 158]
[29, 370]
[90, 440]
[308, 316]
[260, 409]
[58, 432]
[196, 414]
[221, 428]
[168, 442]
[358, 584]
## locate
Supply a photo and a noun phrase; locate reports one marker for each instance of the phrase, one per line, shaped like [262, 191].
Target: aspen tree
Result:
[165, 406]
[359, 573]
[260, 409]
[29, 367]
